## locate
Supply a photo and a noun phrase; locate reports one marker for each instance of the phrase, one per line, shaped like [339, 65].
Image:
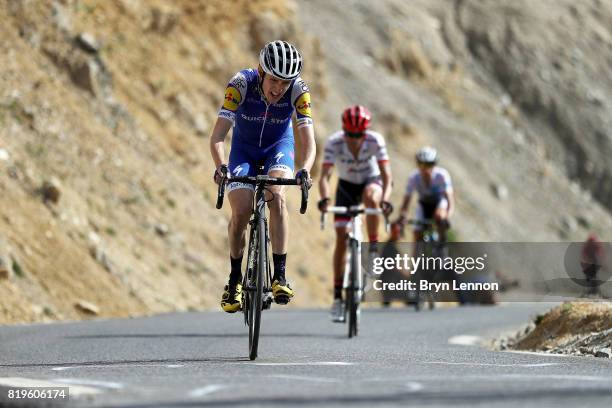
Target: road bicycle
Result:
[431, 247]
[353, 282]
[257, 280]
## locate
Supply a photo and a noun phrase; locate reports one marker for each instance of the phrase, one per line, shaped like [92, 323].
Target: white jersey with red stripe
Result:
[360, 169]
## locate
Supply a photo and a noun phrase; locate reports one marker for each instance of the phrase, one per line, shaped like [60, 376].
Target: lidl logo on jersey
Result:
[303, 104]
[232, 98]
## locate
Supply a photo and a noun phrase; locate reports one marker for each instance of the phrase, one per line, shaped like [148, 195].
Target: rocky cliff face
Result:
[109, 104]
[106, 202]
[515, 95]
[553, 59]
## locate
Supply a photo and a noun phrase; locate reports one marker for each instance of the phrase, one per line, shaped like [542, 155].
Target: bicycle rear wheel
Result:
[353, 291]
[256, 298]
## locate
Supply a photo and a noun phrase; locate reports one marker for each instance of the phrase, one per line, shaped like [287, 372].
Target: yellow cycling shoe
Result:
[282, 292]
[231, 300]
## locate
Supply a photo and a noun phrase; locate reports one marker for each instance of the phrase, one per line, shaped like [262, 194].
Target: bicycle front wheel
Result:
[256, 298]
[352, 295]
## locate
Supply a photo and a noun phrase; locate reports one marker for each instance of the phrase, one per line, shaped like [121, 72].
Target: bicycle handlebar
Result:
[221, 190]
[304, 176]
[264, 180]
[426, 222]
[353, 212]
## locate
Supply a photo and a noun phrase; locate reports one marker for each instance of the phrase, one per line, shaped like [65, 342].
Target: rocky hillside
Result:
[106, 200]
[572, 328]
[110, 104]
[516, 95]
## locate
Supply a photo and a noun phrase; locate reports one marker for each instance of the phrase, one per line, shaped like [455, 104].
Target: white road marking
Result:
[465, 340]
[75, 390]
[493, 364]
[93, 383]
[414, 386]
[209, 389]
[314, 363]
[126, 365]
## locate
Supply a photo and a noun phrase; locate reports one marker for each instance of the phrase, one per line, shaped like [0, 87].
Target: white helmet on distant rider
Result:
[427, 155]
[281, 60]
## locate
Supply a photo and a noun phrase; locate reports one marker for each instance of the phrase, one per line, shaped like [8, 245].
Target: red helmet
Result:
[356, 119]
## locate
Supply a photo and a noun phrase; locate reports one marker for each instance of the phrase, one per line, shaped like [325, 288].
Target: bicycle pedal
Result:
[282, 299]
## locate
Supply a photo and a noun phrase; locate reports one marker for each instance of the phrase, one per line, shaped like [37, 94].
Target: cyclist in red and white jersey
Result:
[435, 193]
[364, 176]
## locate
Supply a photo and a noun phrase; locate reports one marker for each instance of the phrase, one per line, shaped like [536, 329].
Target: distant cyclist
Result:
[592, 260]
[364, 176]
[259, 104]
[435, 194]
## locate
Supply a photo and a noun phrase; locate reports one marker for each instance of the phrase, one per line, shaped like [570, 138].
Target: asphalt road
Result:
[401, 358]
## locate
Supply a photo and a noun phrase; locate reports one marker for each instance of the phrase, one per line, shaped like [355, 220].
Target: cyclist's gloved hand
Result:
[386, 207]
[220, 173]
[304, 178]
[322, 204]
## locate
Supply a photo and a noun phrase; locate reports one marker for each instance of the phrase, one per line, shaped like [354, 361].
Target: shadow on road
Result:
[127, 362]
[200, 335]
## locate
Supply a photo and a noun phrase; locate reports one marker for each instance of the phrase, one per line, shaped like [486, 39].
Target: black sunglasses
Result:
[354, 135]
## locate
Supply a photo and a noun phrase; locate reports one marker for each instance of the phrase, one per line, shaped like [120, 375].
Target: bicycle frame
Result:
[257, 281]
[354, 238]
[430, 246]
[259, 215]
[430, 234]
[353, 279]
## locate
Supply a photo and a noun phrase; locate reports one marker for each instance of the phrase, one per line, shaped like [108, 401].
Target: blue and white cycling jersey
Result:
[255, 122]
[263, 134]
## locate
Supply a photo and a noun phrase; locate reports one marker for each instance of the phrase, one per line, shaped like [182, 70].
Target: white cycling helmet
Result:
[281, 60]
[427, 155]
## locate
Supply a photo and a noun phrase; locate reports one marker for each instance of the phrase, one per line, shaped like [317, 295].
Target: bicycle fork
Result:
[267, 289]
[252, 263]
[354, 249]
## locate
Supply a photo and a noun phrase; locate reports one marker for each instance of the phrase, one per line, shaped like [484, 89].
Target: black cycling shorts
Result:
[349, 194]
[429, 207]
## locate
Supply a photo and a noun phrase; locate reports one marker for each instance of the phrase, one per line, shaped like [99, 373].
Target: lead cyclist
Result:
[259, 104]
